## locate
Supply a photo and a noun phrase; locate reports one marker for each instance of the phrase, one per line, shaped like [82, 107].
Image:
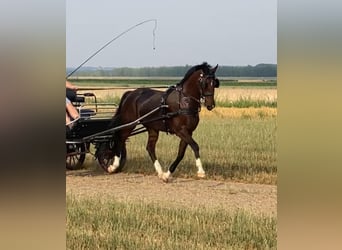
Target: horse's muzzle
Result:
[210, 107]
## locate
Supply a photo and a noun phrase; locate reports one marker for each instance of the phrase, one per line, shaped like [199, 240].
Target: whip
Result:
[116, 37]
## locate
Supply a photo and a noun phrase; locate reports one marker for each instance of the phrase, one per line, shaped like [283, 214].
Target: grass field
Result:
[235, 144]
[242, 97]
[241, 149]
[237, 139]
[97, 224]
[238, 142]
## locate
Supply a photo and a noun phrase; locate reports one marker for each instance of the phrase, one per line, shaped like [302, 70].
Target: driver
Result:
[71, 112]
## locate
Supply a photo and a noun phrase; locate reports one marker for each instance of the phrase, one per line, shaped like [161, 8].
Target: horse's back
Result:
[139, 102]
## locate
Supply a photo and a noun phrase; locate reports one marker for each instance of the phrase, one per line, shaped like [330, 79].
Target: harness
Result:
[185, 107]
[183, 103]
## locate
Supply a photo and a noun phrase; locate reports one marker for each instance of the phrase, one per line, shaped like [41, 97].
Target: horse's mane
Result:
[204, 66]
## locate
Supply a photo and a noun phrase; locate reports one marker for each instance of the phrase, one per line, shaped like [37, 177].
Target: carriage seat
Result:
[78, 99]
[86, 113]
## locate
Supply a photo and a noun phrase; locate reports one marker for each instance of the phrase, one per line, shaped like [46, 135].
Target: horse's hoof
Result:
[111, 169]
[164, 177]
[201, 175]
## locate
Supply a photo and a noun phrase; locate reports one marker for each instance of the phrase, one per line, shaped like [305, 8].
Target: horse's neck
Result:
[191, 85]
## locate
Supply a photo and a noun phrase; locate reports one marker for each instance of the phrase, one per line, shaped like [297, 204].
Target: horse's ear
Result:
[215, 68]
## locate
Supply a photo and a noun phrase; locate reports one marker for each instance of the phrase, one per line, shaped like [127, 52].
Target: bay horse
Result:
[178, 114]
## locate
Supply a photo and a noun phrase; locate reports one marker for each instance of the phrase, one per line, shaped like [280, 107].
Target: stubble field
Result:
[233, 208]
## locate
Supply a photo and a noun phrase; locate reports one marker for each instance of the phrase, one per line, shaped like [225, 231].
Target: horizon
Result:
[186, 65]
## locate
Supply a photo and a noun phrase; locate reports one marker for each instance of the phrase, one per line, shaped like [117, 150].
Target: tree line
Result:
[260, 70]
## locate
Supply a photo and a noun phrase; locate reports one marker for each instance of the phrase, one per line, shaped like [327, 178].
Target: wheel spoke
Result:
[75, 155]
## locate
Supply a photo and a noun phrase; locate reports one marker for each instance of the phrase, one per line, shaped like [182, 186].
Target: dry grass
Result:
[239, 112]
[233, 94]
[221, 94]
[98, 224]
[240, 149]
[248, 136]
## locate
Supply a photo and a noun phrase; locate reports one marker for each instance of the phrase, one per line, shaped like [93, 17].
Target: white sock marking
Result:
[199, 166]
[158, 167]
[116, 162]
[115, 165]
[167, 174]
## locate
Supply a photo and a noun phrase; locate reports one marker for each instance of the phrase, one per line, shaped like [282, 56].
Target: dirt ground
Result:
[180, 192]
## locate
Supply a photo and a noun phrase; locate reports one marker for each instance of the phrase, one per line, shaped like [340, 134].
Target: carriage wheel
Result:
[105, 157]
[75, 155]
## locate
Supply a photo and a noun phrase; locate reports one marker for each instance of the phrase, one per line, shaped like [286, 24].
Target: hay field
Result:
[220, 112]
[221, 94]
[233, 94]
[231, 209]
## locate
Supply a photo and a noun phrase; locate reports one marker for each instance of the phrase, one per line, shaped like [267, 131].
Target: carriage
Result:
[92, 128]
[174, 111]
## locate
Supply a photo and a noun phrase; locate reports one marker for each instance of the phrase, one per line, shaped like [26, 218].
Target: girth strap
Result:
[163, 111]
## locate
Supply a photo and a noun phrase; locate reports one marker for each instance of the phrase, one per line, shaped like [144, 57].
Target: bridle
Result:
[203, 84]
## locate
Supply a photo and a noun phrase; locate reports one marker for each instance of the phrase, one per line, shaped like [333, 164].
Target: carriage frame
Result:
[93, 128]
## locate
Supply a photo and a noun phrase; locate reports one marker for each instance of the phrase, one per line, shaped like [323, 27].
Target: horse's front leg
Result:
[151, 149]
[195, 148]
[186, 139]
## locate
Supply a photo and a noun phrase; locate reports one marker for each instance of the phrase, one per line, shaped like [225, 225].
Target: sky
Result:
[189, 32]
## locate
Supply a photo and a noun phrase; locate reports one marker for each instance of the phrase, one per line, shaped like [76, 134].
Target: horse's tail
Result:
[116, 121]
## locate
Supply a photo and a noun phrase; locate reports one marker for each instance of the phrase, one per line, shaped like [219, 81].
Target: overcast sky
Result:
[224, 32]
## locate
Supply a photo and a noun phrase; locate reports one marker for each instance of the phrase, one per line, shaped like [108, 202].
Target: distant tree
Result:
[260, 70]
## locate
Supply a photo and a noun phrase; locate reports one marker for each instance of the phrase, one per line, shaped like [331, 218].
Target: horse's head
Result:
[208, 83]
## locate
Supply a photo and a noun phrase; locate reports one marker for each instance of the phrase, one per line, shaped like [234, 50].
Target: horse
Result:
[174, 111]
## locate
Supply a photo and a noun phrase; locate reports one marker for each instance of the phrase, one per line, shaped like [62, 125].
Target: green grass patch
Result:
[234, 83]
[246, 103]
[98, 224]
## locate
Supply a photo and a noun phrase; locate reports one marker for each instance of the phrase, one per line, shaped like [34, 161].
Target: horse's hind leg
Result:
[119, 152]
[151, 149]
